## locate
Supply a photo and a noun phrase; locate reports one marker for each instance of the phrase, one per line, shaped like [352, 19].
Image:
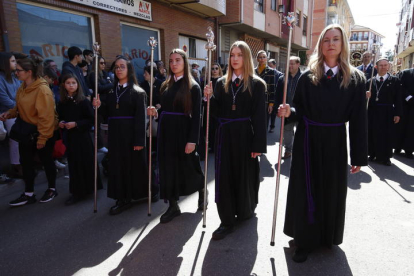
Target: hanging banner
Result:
[135, 8]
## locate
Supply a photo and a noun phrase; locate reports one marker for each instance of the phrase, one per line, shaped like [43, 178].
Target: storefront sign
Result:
[135, 8]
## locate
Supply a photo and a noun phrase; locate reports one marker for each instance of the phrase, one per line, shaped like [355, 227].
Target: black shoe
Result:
[222, 232]
[120, 206]
[397, 151]
[371, 158]
[409, 155]
[23, 200]
[387, 162]
[172, 212]
[48, 196]
[272, 129]
[300, 255]
[72, 200]
[201, 200]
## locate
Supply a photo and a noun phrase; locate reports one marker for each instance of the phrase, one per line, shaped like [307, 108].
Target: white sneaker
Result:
[103, 150]
[59, 165]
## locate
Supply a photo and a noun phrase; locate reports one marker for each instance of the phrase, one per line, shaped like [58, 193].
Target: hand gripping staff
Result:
[375, 50]
[209, 47]
[96, 48]
[289, 20]
[152, 43]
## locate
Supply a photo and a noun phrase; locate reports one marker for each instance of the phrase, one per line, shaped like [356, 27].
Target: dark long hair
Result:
[33, 63]
[5, 65]
[183, 97]
[100, 74]
[132, 79]
[78, 97]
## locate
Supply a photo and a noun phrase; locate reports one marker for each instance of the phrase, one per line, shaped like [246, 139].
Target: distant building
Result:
[362, 39]
[404, 49]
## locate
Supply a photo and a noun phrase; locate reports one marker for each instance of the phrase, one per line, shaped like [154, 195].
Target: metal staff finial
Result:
[96, 48]
[210, 47]
[152, 43]
[289, 20]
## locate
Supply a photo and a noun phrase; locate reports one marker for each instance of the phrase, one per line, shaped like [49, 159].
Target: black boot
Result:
[201, 200]
[172, 212]
[120, 206]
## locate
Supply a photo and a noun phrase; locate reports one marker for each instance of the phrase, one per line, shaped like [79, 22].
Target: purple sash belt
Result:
[311, 203]
[221, 123]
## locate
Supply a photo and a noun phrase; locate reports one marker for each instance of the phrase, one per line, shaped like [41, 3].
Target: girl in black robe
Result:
[239, 106]
[180, 172]
[76, 118]
[126, 111]
[327, 96]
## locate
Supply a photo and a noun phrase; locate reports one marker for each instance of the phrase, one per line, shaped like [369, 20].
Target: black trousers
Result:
[27, 160]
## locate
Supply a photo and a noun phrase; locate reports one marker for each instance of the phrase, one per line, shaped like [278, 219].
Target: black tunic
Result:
[79, 146]
[180, 174]
[328, 158]
[381, 116]
[239, 133]
[128, 171]
[404, 138]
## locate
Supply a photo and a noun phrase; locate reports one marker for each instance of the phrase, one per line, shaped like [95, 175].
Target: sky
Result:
[379, 15]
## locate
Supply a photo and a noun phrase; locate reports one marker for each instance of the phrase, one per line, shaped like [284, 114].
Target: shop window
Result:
[192, 49]
[258, 5]
[135, 47]
[305, 25]
[273, 5]
[298, 17]
[49, 33]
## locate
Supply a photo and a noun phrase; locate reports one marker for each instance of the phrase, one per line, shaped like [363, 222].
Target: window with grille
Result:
[258, 5]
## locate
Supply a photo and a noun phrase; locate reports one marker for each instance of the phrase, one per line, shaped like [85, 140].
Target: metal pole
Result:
[95, 202]
[290, 21]
[152, 43]
[210, 47]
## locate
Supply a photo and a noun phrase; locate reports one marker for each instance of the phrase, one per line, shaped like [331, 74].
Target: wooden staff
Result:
[96, 49]
[152, 43]
[209, 47]
[290, 21]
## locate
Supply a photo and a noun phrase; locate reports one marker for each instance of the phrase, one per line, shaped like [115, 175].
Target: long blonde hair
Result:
[248, 69]
[316, 61]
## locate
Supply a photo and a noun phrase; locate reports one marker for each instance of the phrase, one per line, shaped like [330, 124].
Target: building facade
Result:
[404, 49]
[328, 12]
[362, 39]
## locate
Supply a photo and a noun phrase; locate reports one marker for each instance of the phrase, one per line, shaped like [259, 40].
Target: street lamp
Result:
[281, 9]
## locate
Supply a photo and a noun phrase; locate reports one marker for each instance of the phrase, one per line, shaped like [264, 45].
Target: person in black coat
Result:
[76, 118]
[404, 136]
[179, 119]
[75, 58]
[239, 104]
[384, 110]
[329, 95]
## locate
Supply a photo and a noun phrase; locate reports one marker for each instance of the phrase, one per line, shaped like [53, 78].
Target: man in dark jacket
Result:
[366, 65]
[75, 57]
[270, 76]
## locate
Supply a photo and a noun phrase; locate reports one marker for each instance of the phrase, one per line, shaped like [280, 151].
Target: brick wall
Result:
[170, 21]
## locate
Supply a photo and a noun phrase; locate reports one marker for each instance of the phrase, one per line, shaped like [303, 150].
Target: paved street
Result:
[54, 239]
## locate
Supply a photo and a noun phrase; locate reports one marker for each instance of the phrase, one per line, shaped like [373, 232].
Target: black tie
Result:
[381, 79]
[329, 74]
[237, 82]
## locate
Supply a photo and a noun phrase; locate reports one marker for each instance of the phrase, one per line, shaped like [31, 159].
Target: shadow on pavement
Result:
[395, 174]
[266, 169]
[355, 180]
[234, 255]
[322, 261]
[155, 256]
[284, 167]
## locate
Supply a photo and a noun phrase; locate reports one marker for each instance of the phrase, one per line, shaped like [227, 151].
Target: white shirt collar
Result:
[124, 85]
[235, 77]
[334, 70]
[178, 78]
[378, 77]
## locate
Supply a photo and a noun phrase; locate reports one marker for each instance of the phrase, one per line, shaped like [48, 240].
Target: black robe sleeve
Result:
[398, 99]
[358, 126]
[139, 99]
[215, 99]
[297, 103]
[193, 134]
[258, 118]
[87, 115]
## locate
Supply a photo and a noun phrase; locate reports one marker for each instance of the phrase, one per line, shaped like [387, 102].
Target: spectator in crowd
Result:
[9, 85]
[196, 75]
[36, 122]
[366, 65]
[293, 77]
[52, 64]
[72, 66]
[272, 63]
[88, 58]
[162, 72]
[156, 86]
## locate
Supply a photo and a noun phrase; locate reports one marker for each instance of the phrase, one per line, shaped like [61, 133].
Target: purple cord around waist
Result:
[159, 138]
[221, 123]
[311, 203]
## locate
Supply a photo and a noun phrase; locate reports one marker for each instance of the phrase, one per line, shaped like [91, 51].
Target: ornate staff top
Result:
[152, 42]
[210, 39]
[96, 48]
[290, 20]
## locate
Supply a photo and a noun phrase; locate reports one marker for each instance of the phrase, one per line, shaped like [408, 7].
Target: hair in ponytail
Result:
[33, 63]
